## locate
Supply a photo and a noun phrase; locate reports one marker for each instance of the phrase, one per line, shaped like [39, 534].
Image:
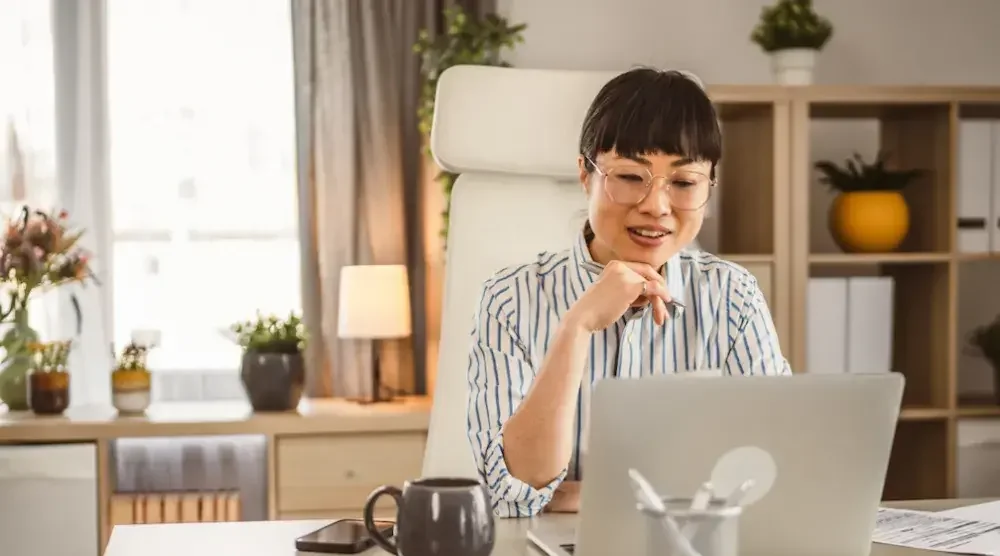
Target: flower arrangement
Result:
[50, 357]
[791, 24]
[132, 358]
[465, 40]
[39, 251]
[271, 334]
[857, 175]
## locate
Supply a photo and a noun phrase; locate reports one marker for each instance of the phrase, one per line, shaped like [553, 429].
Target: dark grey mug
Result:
[436, 517]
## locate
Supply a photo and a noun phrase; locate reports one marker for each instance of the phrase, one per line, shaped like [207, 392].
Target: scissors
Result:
[594, 268]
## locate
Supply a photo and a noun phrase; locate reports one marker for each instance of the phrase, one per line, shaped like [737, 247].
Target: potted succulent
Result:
[273, 370]
[48, 383]
[792, 33]
[464, 40]
[131, 381]
[985, 341]
[869, 214]
[39, 251]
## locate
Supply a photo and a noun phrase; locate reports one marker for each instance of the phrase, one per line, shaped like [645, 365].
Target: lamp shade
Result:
[374, 302]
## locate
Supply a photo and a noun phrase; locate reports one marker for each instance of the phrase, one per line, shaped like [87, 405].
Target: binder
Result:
[994, 223]
[975, 185]
[869, 324]
[826, 326]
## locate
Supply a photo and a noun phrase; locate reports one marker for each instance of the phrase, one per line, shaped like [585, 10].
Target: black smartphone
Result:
[344, 536]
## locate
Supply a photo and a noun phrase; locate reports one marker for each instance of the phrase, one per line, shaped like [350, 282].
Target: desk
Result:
[277, 538]
[322, 460]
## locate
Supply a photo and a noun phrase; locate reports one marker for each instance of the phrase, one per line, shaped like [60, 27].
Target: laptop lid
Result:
[817, 445]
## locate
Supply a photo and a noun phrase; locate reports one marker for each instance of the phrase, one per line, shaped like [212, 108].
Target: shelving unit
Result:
[767, 181]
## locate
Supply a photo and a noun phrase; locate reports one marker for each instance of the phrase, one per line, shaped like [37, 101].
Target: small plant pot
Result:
[273, 381]
[793, 66]
[869, 221]
[48, 392]
[131, 390]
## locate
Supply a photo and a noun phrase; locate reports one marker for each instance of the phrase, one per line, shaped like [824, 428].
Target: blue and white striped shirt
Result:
[725, 325]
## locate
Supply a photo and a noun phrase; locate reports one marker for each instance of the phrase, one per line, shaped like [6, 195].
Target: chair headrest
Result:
[529, 120]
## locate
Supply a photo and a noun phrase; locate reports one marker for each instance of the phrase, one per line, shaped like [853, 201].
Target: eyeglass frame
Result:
[712, 182]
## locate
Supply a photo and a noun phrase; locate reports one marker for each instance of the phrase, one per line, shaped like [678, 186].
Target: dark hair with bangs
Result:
[644, 111]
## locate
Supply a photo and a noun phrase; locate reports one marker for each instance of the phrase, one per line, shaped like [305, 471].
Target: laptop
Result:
[816, 446]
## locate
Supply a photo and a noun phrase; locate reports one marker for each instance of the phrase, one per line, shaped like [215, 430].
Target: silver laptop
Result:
[817, 447]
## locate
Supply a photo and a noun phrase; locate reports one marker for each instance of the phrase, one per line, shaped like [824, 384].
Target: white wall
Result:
[874, 41]
[919, 42]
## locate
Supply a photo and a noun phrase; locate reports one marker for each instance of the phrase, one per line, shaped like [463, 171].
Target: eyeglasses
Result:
[630, 184]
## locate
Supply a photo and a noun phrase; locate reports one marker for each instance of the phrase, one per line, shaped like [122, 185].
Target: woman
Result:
[624, 302]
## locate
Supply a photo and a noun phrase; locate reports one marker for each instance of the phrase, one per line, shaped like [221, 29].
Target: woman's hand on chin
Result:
[566, 498]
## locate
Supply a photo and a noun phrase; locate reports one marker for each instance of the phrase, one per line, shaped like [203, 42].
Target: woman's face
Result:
[648, 229]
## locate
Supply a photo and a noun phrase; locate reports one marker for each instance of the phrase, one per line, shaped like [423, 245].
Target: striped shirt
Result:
[725, 324]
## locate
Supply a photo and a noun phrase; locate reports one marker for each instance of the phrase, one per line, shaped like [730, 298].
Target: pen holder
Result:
[713, 531]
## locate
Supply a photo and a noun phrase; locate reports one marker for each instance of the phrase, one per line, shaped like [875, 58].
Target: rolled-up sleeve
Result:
[500, 374]
[754, 346]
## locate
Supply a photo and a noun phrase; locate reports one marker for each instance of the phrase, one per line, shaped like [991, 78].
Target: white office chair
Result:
[513, 136]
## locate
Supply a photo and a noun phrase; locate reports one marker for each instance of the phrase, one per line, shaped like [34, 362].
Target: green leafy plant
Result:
[791, 24]
[856, 175]
[465, 41]
[271, 334]
[985, 341]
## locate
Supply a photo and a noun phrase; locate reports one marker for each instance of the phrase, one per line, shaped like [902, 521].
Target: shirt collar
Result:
[584, 277]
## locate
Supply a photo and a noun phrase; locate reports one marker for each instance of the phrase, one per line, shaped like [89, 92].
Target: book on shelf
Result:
[978, 191]
[849, 325]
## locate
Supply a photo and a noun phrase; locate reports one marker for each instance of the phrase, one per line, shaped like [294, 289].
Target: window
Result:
[27, 122]
[203, 175]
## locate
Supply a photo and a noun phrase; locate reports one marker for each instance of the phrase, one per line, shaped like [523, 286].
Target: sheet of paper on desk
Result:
[932, 531]
[989, 511]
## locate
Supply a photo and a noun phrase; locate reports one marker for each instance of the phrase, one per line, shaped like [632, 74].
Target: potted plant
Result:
[791, 32]
[273, 370]
[464, 41]
[870, 214]
[985, 341]
[39, 252]
[48, 383]
[131, 380]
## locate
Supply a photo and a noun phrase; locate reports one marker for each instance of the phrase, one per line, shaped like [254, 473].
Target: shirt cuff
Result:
[512, 497]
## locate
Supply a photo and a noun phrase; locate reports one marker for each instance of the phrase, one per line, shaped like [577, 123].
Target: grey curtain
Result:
[360, 173]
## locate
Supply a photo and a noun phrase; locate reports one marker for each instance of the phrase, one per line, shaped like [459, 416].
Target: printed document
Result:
[933, 531]
[989, 511]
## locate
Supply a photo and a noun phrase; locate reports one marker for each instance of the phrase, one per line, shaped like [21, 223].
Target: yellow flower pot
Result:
[869, 221]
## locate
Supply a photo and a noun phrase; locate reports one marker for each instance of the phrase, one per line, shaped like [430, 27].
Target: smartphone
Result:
[344, 536]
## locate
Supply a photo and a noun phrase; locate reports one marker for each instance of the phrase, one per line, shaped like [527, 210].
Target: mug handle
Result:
[369, 515]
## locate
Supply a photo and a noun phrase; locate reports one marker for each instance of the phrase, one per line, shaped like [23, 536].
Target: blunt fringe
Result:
[645, 111]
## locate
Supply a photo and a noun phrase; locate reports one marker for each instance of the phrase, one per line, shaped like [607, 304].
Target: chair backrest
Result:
[513, 136]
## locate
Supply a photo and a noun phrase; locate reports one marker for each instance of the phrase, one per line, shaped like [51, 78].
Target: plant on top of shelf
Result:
[49, 378]
[49, 357]
[792, 33]
[40, 251]
[273, 370]
[131, 380]
[464, 40]
[870, 214]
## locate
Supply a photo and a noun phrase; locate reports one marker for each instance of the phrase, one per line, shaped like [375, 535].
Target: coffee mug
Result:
[436, 517]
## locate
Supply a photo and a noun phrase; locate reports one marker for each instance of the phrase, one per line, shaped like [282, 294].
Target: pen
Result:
[699, 503]
[595, 268]
[737, 496]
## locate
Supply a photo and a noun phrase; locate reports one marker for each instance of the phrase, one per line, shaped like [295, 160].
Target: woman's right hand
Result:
[619, 287]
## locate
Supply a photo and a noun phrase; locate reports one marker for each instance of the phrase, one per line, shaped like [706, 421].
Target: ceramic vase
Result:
[793, 66]
[273, 381]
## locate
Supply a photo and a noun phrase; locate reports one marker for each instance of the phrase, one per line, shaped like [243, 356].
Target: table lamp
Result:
[374, 305]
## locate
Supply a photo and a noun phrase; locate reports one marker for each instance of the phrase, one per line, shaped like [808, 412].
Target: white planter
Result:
[793, 66]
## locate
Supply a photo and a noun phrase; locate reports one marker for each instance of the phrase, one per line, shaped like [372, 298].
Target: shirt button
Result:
[628, 336]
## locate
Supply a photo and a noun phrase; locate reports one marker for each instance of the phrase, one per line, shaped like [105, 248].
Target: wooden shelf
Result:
[878, 258]
[918, 126]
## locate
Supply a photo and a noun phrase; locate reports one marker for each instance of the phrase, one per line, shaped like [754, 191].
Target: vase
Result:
[48, 391]
[869, 221]
[131, 390]
[273, 381]
[793, 66]
[16, 363]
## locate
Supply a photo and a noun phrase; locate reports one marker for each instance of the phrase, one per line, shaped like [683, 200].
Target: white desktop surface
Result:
[277, 538]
